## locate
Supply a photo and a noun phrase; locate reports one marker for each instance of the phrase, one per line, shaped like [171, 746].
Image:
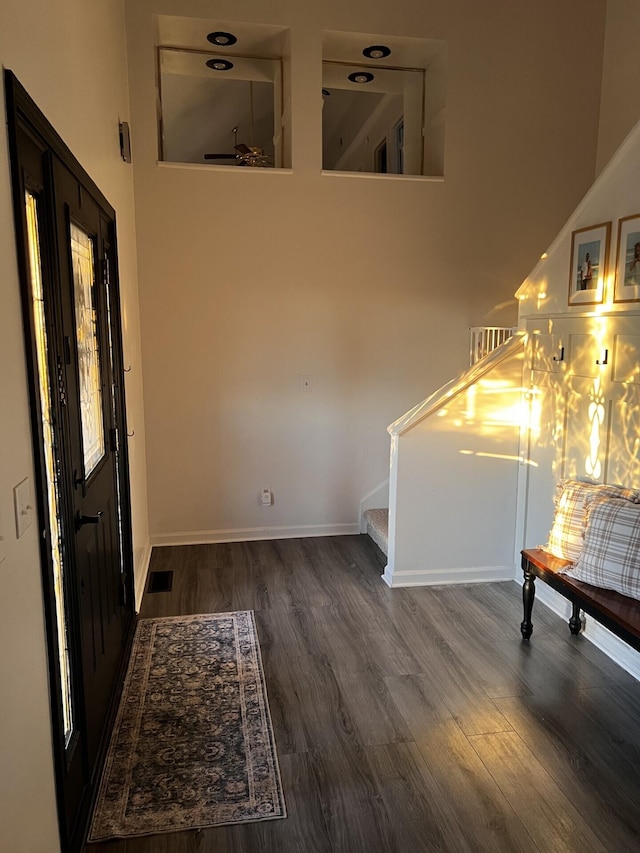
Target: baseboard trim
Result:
[601, 637]
[433, 577]
[252, 534]
[141, 573]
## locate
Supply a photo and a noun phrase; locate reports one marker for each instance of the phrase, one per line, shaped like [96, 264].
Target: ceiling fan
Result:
[245, 155]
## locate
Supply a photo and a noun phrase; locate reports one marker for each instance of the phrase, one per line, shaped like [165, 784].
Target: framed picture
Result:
[589, 262]
[628, 260]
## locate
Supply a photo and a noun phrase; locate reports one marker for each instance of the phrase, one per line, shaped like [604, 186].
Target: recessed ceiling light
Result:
[221, 38]
[376, 51]
[361, 77]
[219, 64]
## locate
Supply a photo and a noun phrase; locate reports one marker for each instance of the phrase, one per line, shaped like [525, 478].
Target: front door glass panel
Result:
[90, 384]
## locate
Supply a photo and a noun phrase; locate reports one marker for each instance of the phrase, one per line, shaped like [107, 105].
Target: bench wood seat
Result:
[619, 613]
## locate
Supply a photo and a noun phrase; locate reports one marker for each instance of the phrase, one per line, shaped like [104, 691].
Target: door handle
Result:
[81, 520]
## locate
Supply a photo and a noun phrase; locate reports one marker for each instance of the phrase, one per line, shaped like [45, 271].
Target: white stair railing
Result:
[484, 339]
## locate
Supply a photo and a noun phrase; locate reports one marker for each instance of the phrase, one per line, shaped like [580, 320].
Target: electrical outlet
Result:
[305, 384]
[266, 498]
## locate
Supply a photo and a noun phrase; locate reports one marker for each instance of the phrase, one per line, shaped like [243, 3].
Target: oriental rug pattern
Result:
[193, 742]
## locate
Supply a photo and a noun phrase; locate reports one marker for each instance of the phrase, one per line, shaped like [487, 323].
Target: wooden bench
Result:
[619, 613]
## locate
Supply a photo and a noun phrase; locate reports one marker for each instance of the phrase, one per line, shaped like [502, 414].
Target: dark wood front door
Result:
[82, 233]
[66, 250]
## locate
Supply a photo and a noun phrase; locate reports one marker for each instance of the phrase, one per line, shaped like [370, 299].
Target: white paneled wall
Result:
[584, 377]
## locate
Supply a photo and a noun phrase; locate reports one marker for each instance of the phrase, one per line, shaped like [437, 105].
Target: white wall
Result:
[620, 106]
[251, 279]
[71, 57]
[454, 470]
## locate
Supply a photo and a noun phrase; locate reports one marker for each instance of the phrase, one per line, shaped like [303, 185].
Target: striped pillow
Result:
[610, 556]
[567, 532]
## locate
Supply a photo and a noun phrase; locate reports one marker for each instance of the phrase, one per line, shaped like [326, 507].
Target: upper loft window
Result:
[220, 102]
[383, 104]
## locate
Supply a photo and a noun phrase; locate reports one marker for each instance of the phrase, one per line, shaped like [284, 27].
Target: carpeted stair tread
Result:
[378, 527]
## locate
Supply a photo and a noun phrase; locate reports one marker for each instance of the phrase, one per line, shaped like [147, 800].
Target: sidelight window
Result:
[53, 499]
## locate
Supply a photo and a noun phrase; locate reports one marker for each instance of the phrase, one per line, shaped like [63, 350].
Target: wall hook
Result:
[127, 369]
[131, 434]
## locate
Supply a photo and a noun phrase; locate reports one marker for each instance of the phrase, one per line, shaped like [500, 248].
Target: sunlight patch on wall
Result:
[592, 465]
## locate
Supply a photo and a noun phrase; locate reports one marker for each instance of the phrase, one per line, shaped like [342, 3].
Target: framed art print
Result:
[627, 288]
[589, 262]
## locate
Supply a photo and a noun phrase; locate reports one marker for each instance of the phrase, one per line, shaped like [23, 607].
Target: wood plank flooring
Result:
[414, 720]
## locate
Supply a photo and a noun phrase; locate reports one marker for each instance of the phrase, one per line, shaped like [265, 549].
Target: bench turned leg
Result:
[528, 594]
[575, 623]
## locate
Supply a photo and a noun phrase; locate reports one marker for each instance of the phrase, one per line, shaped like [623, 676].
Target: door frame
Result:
[24, 115]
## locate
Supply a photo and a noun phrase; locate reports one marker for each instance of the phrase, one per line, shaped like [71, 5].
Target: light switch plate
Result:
[24, 506]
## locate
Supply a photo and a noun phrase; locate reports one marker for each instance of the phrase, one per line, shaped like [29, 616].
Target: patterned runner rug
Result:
[193, 742]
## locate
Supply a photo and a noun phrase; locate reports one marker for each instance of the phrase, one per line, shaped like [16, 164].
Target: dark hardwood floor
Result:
[414, 720]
